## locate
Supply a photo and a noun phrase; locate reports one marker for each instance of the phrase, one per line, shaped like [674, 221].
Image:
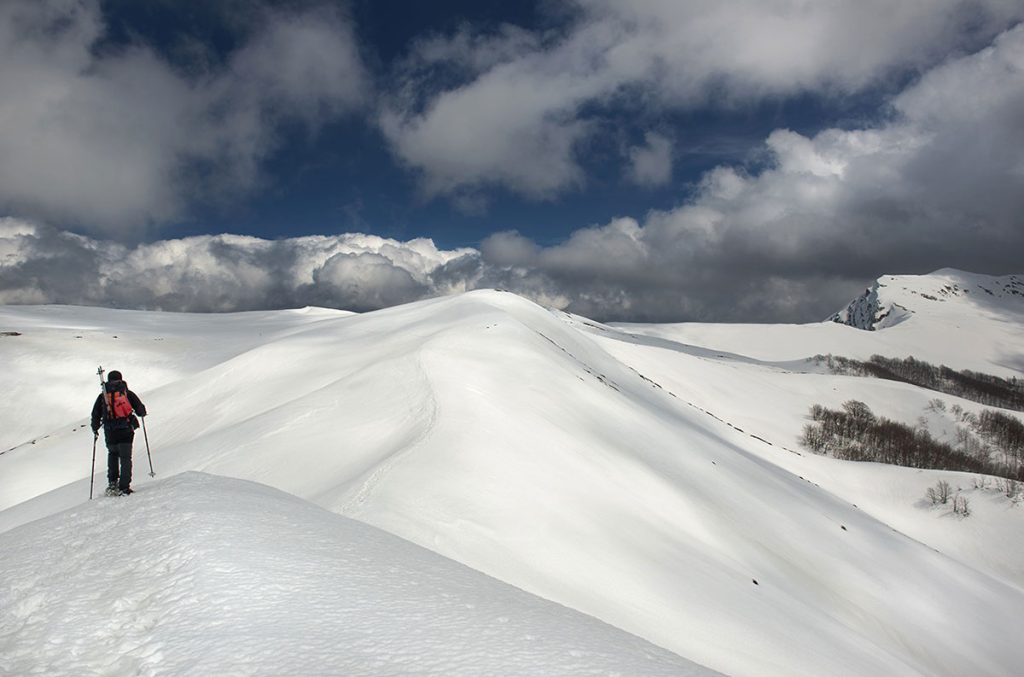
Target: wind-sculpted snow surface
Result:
[200, 575]
[646, 478]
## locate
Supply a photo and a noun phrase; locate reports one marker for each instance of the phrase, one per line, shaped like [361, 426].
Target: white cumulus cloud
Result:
[939, 185]
[117, 140]
[516, 109]
[218, 273]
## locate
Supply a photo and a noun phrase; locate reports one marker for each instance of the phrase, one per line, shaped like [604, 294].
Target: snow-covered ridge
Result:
[893, 299]
[654, 484]
[203, 575]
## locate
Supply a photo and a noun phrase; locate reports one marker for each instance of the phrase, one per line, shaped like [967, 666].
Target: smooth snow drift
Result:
[200, 575]
[648, 476]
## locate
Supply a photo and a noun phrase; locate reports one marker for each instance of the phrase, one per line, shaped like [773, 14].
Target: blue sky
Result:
[318, 190]
[343, 177]
[647, 160]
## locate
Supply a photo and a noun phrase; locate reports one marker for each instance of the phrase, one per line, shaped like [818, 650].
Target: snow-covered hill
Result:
[962, 320]
[205, 575]
[647, 476]
[894, 298]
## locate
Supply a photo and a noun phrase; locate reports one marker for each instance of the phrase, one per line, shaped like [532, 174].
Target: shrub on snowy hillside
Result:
[940, 493]
[970, 385]
[855, 433]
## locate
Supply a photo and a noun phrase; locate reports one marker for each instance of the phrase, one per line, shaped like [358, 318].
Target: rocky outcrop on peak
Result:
[893, 299]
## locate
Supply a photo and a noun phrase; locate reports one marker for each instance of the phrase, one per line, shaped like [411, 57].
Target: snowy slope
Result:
[631, 475]
[962, 320]
[943, 322]
[54, 360]
[199, 575]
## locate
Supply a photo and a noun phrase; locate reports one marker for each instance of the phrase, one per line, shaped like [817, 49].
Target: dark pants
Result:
[119, 454]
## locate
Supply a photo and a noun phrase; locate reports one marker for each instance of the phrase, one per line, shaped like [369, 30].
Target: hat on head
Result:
[114, 376]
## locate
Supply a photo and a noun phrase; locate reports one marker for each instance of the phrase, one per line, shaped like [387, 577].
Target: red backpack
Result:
[119, 409]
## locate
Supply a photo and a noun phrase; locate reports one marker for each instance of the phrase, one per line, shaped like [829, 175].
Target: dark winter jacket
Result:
[116, 431]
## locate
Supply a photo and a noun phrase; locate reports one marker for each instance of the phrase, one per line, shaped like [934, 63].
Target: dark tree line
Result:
[1004, 432]
[970, 385]
[855, 433]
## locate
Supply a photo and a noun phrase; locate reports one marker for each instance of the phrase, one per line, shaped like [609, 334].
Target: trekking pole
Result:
[92, 474]
[145, 436]
[95, 436]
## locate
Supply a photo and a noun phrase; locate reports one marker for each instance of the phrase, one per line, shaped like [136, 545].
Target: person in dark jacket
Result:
[119, 426]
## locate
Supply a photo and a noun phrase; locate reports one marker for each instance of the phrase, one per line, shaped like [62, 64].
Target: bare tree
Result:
[940, 493]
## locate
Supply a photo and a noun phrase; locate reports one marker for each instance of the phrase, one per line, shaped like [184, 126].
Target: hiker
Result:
[116, 407]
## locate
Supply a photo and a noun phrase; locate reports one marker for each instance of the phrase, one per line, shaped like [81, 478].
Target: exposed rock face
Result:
[893, 299]
[869, 311]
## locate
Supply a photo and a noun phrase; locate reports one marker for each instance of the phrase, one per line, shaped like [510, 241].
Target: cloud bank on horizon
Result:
[117, 142]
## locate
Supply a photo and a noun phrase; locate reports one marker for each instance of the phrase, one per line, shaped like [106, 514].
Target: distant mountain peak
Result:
[893, 299]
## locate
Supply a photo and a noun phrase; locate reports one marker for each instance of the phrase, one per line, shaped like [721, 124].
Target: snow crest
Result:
[203, 575]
